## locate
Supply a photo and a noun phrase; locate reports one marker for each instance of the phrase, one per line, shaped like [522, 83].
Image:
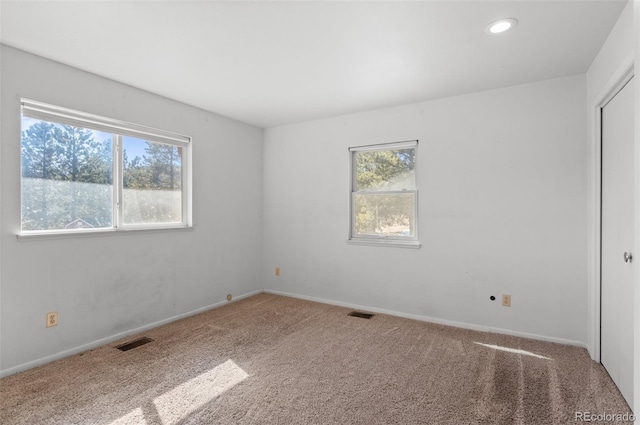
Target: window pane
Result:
[152, 182]
[66, 176]
[384, 214]
[385, 170]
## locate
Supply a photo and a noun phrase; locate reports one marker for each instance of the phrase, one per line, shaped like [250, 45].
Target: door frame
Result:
[621, 77]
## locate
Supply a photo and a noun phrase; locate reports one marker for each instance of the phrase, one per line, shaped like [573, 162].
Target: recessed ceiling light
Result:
[501, 26]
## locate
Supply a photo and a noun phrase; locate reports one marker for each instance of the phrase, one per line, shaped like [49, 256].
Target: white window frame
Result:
[395, 241]
[56, 114]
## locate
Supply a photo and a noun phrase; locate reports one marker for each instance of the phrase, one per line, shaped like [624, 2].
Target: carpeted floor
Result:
[276, 360]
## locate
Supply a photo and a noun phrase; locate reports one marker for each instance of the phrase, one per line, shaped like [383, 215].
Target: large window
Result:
[82, 172]
[384, 194]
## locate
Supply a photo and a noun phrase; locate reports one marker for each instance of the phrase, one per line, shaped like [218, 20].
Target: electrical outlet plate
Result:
[277, 271]
[229, 297]
[52, 319]
[506, 300]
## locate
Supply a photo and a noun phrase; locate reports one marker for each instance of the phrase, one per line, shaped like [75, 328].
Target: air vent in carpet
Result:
[133, 344]
[361, 315]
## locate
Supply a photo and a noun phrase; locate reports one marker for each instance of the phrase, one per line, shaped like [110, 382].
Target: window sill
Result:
[27, 237]
[395, 243]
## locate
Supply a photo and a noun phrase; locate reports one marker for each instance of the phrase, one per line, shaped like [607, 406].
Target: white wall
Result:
[502, 180]
[614, 58]
[107, 286]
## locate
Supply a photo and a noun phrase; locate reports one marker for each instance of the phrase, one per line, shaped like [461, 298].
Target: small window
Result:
[81, 172]
[384, 194]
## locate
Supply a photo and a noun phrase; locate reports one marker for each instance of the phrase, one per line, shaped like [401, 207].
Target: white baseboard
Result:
[422, 318]
[115, 337]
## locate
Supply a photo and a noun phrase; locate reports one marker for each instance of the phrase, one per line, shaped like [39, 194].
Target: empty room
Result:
[319, 212]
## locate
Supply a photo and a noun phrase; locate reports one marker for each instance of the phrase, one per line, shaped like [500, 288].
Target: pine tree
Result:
[72, 172]
[163, 162]
[38, 153]
[38, 150]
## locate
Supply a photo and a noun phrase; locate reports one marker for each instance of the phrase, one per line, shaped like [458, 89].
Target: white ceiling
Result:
[272, 63]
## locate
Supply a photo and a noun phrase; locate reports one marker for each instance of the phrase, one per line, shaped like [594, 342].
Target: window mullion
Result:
[117, 181]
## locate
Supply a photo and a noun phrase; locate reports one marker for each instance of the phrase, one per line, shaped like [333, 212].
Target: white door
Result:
[617, 240]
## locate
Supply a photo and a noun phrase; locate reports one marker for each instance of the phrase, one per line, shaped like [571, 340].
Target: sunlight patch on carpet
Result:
[513, 350]
[175, 405]
[136, 416]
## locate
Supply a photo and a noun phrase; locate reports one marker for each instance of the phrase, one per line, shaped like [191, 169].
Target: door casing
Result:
[617, 184]
[620, 78]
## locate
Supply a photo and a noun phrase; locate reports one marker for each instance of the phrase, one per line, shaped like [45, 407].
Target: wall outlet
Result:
[277, 271]
[229, 297]
[506, 300]
[52, 319]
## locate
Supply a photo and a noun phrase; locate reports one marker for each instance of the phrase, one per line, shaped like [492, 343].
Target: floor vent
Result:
[361, 315]
[133, 344]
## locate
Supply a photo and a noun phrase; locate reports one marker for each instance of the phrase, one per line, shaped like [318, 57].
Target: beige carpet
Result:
[276, 360]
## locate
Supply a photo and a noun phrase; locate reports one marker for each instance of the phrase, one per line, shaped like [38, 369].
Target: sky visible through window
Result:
[134, 146]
